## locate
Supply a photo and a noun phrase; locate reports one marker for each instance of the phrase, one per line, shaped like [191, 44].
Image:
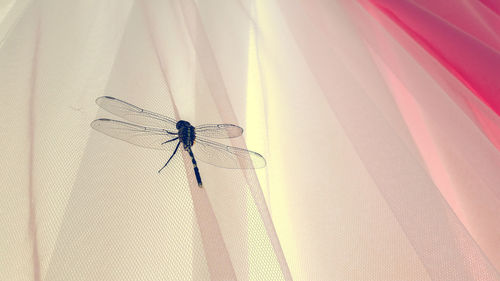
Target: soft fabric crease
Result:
[378, 119]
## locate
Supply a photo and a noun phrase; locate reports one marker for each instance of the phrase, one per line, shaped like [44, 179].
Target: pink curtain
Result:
[379, 121]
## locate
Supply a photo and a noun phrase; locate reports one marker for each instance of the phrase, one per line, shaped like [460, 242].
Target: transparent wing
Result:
[136, 114]
[219, 131]
[137, 135]
[226, 156]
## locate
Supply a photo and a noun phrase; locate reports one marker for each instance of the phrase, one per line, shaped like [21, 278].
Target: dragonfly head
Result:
[182, 124]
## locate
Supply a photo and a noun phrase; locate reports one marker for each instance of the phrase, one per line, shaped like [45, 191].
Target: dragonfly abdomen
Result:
[196, 171]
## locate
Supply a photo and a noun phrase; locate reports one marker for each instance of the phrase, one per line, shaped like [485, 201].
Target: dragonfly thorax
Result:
[187, 133]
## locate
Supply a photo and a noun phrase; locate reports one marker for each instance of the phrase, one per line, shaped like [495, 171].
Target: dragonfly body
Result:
[187, 133]
[163, 133]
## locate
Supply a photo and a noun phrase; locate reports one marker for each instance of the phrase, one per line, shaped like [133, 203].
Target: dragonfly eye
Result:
[180, 124]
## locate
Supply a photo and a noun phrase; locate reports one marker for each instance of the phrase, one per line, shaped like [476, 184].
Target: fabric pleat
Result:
[378, 119]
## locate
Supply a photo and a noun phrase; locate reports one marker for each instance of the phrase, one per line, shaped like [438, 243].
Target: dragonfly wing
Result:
[226, 156]
[136, 114]
[219, 131]
[138, 135]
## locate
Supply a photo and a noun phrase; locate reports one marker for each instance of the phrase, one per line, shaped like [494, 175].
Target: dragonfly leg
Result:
[177, 147]
[171, 133]
[170, 140]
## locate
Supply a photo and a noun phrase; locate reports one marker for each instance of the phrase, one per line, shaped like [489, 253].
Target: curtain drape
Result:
[378, 119]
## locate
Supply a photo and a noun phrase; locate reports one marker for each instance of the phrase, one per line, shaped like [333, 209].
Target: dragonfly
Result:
[152, 130]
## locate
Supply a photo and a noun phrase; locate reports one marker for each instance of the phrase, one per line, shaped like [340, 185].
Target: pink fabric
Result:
[470, 60]
[465, 41]
[461, 163]
[492, 4]
[460, 43]
[378, 120]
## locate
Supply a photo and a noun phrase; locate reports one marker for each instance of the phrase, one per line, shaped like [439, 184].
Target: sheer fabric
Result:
[378, 120]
